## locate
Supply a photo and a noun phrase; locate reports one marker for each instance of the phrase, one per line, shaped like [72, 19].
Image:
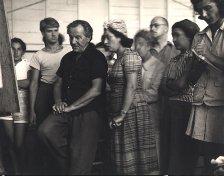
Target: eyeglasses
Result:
[156, 25]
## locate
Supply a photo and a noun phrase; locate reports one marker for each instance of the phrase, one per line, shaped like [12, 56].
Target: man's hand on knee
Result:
[59, 107]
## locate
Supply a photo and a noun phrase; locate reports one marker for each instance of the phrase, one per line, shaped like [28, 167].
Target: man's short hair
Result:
[163, 19]
[219, 3]
[88, 30]
[48, 23]
[20, 41]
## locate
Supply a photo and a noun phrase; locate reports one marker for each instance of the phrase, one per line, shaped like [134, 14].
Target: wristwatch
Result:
[123, 112]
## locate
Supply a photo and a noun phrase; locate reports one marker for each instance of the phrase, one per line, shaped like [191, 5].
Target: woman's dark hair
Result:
[125, 41]
[18, 40]
[189, 27]
[219, 3]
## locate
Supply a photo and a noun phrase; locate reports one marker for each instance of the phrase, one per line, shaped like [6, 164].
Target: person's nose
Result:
[73, 41]
[106, 41]
[152, 27]
[15, 52]
[54, 33]
[174, 39]
[137, 47]
[204, 13]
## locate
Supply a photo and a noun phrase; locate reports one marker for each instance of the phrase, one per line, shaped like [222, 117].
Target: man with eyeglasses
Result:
[164, 51]
[159, 27]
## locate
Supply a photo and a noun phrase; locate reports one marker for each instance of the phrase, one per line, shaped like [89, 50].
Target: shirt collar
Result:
[169, 44]
[89, 47]
[207, 29]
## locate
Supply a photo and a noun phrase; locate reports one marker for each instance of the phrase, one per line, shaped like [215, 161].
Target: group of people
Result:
[163, 103]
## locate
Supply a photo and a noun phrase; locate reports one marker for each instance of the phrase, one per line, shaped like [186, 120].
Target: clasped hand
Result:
[202, 49]
[117, 120]
[61, 107]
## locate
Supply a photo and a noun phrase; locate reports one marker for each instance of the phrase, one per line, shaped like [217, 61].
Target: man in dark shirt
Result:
[72, 131]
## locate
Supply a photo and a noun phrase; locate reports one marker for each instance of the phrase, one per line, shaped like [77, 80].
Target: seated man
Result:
[72, 131]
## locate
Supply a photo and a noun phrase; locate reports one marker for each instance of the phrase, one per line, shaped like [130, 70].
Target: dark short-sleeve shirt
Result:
[77, 72]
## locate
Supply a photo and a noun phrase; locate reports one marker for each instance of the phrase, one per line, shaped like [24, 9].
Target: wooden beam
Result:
[23, 7]
[8, 93]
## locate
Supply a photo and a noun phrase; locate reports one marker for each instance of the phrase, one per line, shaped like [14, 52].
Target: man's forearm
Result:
[89, 96]
[33, 94]
[57, 93]
[80, 105]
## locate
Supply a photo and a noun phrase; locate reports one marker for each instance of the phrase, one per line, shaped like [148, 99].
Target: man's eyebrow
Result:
[51, 29]
[77, 36]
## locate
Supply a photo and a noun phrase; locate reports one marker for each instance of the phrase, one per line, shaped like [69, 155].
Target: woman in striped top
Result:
[178, 86]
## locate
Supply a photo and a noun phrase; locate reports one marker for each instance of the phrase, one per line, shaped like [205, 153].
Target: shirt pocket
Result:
[82, 73]
[219, 81]
[198, 93]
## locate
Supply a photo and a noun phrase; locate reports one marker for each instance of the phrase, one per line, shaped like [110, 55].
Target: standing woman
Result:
[207, 116]
[15, 124]
[178, 87]
[133, 145]
[152, 73]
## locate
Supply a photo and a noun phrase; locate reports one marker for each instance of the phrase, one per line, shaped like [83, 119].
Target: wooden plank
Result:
[127, 10]
[8, 93]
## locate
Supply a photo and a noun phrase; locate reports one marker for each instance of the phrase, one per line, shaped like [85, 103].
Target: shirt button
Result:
[68, 87]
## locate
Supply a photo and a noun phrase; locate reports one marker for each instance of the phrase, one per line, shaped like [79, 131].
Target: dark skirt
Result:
[183, 150]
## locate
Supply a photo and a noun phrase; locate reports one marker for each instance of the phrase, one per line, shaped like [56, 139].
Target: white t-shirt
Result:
[47, 63]
[22, 68]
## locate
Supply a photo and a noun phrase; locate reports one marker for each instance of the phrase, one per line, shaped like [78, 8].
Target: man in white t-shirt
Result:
[44, 65]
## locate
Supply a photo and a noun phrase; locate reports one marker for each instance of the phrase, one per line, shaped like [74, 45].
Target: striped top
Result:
[179, 67]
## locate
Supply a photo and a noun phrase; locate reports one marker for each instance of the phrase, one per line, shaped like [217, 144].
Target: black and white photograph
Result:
[112, 87]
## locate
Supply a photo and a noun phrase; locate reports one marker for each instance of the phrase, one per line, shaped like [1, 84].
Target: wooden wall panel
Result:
[150, 9]
[96, 13]
[128, 10]
[64, 11]
[136, 13]
[25, 20]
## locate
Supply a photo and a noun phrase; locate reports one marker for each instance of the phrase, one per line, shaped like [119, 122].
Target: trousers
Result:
[72, 140]
[44, 101]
